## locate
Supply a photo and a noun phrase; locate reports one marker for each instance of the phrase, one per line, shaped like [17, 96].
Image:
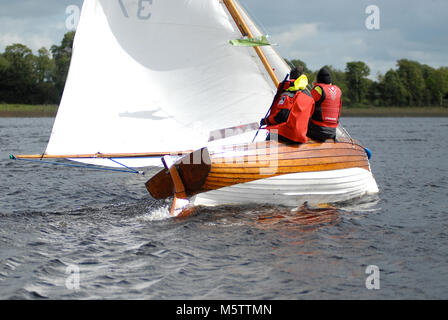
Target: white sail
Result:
[157, 76]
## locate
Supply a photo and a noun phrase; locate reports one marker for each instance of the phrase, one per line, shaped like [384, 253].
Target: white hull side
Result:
[295, 189]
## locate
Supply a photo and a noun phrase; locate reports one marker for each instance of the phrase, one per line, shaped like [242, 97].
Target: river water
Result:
[70, 233]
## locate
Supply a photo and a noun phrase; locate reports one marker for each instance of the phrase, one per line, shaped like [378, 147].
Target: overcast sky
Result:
[321, 32]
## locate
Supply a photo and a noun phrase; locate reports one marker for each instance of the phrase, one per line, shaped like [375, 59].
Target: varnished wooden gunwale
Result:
[263, 148]
[259, 160]
[276, 171]
[292, 164]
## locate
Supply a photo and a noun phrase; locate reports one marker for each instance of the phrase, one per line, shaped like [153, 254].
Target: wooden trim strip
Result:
[281, 146]
[258, 160]
[283, 149]
[287, 165]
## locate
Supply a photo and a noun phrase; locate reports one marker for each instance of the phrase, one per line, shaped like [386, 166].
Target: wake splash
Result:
[159, 213]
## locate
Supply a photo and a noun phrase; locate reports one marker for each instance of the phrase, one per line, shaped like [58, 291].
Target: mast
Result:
[245, 31]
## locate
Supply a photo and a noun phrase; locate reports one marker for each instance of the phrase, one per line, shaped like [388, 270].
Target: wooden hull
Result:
[270, 172]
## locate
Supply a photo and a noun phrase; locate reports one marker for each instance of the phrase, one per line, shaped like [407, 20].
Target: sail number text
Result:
[142, 13]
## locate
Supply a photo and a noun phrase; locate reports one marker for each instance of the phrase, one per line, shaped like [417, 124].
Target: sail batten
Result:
[156, 76]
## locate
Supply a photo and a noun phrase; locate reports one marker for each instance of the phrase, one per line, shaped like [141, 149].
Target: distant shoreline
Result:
[395, 112]
[49, 111]
[27, 111]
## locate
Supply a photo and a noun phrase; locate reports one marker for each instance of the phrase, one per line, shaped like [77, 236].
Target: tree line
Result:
[28, 78]
[410, 84]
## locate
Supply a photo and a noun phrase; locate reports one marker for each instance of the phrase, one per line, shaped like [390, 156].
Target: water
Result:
[125, 245]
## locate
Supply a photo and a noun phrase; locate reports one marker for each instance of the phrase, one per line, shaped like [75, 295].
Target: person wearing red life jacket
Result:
[290, 114]
[327, 110]
[284, 89]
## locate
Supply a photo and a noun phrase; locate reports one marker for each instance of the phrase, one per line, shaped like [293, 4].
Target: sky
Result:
[324, 32]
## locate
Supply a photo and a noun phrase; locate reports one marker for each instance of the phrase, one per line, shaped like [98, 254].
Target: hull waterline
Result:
[295, 189]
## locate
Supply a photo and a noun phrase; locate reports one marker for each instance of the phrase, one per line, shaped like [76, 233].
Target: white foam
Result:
[158, 214]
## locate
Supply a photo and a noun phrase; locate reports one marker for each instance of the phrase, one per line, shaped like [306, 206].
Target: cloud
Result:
[334, 32]
[9, 38]
[295, 33]
[26, 9]
[34, 32]
[324, 32]
[33, 23]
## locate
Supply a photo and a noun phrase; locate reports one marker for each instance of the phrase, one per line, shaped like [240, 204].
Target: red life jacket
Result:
[328, 108]
[283, 102]
[279, 103]
[296, 126]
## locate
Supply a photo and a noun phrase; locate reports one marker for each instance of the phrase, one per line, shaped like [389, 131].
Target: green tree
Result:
[25, 77]
[4, 66]
[373, 93]
[393, 91]
[19, 78]
[62, 55]
[411, 75]
[300, 63]
[441, 77]
[356, 77]
[436, 85]
[44, 65]
[45, 91]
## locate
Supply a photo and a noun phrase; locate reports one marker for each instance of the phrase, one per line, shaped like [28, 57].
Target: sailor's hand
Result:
[262, 122]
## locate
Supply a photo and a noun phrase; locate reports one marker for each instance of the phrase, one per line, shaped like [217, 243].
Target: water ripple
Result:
[127, 246]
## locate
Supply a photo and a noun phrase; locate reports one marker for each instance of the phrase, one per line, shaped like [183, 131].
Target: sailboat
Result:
[181, 85]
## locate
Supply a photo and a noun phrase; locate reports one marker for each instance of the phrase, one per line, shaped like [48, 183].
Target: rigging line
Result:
[125, 166]
[76, 165]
